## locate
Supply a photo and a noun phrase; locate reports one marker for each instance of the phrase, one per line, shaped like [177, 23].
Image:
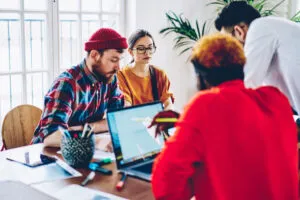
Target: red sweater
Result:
[231, 143]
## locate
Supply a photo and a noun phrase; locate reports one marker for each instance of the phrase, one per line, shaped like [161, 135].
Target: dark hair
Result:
[218, 58]
[217, 75]
[235, 13]
[101, 51]
[134, 37]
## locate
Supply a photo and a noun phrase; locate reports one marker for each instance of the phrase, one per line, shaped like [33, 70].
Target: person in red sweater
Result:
[231, 143]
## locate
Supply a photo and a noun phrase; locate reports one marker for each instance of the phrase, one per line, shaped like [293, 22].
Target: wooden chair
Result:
[19, 125]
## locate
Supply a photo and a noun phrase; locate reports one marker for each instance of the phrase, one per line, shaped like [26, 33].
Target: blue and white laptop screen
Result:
[131, 137]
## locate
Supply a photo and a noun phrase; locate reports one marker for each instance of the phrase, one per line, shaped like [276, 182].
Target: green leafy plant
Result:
[186, 34]
[296, 17]
[260, 5]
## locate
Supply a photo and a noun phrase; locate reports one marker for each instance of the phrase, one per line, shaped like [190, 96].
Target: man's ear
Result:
[94, 55]
[239, 33]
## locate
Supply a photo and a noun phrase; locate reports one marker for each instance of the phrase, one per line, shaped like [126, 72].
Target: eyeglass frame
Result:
[146, 49]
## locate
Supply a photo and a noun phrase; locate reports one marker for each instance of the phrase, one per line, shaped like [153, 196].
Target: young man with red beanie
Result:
[83, 93]
[231, 143]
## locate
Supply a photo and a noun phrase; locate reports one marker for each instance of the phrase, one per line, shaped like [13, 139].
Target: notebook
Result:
[135, 146]
[18, 190]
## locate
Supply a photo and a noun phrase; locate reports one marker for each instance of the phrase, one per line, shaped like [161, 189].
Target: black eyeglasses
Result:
[143, 50]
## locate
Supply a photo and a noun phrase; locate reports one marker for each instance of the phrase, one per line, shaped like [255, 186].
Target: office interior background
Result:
[41, 38]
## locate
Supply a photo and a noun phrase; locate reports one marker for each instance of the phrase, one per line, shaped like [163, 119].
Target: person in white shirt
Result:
[271, 46]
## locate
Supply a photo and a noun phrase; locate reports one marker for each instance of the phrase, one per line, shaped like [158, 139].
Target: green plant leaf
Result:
[198, 29]
[260, 5]
[185, 34]
[204, 29]
[184, 50]
[272, 10]
[296, 17]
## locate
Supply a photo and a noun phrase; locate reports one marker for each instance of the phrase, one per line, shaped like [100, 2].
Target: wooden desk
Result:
[133, 189]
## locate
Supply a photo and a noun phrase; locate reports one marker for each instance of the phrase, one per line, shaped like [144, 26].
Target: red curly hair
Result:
[219, 50]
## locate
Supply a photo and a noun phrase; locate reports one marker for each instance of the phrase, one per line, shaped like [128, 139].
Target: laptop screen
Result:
[132, 140]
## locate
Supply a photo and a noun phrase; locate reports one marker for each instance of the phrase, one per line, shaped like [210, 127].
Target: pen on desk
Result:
[97, 168]
[103, 171]
[121, 183]
[103, 161]
[85, 127]
[90, 131]
[167, 120]
[88, 178]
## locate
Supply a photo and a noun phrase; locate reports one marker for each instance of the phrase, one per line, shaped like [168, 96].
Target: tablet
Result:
[31, 159]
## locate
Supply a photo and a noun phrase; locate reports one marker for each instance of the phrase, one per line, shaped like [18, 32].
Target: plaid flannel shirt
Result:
[76, 97]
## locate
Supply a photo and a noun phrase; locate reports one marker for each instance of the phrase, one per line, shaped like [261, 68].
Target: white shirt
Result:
[272, 50]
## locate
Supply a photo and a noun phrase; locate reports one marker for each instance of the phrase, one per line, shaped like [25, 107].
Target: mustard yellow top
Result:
[138, 90]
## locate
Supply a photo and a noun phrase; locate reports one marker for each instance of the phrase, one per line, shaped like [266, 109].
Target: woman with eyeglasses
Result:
[140, 81]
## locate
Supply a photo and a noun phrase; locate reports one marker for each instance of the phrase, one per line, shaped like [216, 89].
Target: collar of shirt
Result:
[88, 73]
[233, 83]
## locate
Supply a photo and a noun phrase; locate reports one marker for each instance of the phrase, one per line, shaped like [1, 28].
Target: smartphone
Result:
[32, 159]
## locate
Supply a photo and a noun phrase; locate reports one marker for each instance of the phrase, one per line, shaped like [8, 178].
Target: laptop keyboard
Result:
[147, 168]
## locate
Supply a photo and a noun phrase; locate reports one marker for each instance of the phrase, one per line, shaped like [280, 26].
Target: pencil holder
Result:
[77, 150]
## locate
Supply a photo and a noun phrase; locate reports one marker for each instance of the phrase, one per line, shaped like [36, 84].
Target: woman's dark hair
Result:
[235, 13]
[134, 37]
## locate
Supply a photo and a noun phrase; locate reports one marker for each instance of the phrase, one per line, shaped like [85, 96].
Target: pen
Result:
[85, 127]
[170, 120]
[97, 168]
[90, 131]
[88, 178]
[121, 183]
[103, 161]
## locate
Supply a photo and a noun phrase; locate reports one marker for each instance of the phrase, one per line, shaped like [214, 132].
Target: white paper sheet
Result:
[76, 192]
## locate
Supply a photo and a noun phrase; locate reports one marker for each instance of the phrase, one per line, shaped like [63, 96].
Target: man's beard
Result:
[101, 77]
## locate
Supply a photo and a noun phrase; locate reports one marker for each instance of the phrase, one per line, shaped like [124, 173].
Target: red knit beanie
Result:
[106, 38]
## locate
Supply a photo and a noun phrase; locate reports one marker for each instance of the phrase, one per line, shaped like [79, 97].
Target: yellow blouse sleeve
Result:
[124, 87]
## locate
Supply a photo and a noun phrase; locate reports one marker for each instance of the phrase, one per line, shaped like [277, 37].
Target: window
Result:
[41, 38]
[78, 20]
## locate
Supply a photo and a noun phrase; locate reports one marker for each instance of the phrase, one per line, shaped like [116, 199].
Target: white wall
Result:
[294, 6]
[150, 15]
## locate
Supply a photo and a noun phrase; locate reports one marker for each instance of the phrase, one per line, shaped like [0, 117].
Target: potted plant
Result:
[260, 5]
[186, 33]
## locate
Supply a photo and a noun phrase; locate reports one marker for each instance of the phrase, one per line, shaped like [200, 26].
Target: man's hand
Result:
[161, 120]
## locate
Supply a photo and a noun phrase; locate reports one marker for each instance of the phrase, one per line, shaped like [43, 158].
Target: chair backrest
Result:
[19, 125]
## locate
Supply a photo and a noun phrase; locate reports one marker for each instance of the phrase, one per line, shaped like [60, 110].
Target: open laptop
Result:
[135, 146]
